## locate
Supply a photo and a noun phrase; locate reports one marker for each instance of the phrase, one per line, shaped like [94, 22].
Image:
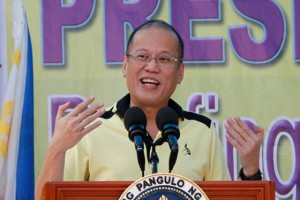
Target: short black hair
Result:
[162, 24]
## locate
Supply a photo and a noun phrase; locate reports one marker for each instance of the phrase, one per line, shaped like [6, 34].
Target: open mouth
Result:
[149, 82]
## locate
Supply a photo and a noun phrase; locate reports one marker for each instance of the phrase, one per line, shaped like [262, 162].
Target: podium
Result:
[112, 190]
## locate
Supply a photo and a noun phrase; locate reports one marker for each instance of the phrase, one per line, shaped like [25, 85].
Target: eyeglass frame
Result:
[135, 57]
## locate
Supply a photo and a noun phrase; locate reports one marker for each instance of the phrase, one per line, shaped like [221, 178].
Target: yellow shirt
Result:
[107, 154]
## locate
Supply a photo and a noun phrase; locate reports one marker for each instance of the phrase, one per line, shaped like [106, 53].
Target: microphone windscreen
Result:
[166, 115]
[134, 115]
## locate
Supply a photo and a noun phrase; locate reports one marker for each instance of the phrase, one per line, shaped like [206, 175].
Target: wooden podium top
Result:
[111, 190]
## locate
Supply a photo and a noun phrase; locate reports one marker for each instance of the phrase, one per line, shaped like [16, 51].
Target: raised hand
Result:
[246, 142]
[70, 128]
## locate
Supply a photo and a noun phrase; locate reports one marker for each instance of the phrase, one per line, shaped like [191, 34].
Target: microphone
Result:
[135, 122]
[167, 123]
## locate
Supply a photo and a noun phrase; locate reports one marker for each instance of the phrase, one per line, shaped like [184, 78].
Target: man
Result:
[152, 67]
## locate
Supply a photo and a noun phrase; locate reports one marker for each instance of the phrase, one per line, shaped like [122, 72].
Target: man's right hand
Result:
[70, 128]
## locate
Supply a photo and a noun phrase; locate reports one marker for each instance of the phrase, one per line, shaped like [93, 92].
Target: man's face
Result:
[151, 84]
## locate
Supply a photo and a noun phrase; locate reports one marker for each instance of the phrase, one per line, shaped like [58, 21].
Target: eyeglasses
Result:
[162, 61]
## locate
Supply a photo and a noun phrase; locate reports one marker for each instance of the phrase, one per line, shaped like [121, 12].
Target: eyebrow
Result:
[162, 52]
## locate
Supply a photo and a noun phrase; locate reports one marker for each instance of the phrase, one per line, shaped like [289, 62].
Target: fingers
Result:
[82, 106]
[241, 136]
[243, 126]
[247, 142]
[232, 141]
[236, 134]
[238, 126]
[259, 131]
[81, 111]
[91, 127]
[89, 116]
[62, 109]
[81, 116]
[70, 128]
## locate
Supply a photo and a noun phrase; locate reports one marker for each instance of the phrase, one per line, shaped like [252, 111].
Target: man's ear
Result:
[180, 73]
[124, 66]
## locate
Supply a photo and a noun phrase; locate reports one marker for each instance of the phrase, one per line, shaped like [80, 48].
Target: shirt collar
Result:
[123, 104]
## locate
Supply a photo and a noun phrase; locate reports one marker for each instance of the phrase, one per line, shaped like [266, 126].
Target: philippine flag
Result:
[17, 120]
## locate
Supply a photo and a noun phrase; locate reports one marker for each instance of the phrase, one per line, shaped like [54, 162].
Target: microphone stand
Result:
[173, 157]
[154, 160]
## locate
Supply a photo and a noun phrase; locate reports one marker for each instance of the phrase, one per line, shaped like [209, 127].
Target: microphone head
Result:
[166, 115]
[134, 116]
[135, 122]
[167, 122]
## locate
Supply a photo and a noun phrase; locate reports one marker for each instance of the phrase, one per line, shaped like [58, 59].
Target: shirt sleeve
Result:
[76, 163]
[218, 169]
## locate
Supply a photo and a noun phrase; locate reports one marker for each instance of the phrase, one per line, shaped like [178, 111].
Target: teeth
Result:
[149, 81]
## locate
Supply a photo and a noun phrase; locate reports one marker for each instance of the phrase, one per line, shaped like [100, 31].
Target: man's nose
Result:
[152, 64]
[155, 59]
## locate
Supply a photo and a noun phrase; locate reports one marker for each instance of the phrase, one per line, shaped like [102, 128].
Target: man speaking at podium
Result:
[92, 143]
